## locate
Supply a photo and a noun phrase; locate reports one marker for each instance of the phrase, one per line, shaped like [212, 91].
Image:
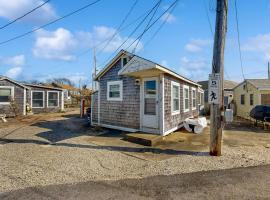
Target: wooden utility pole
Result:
[216, 118]
[94, 73]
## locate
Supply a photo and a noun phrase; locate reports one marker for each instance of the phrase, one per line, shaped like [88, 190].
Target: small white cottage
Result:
[136, 94]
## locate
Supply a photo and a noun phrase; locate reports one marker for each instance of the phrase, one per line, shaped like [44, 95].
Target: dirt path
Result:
[240, 183]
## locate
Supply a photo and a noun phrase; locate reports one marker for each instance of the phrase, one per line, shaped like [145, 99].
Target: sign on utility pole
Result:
[216, 107]
[214, 89]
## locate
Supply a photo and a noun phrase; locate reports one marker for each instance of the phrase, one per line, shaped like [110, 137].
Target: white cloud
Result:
[195, 69]
[259, 44]
[14, 72]
[168, 18]
[101, 33]
[57, 44]
[17, 60]
[197, 45]
[62, 44]
[11, 9]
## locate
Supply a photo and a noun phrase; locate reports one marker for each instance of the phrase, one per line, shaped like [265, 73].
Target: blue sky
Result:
[184, 44]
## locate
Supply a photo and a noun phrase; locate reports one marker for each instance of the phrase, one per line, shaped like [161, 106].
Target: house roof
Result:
[13, 81]
[260, 83]
[43, 86]
[229, 85]
[154, 64]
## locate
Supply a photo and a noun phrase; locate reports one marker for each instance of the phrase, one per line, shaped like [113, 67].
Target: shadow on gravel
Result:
[109, 148]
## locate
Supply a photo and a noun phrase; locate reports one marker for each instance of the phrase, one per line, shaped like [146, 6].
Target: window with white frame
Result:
[175, 94]
[37, 99]
[114, 90]
[186, 98]
[6, 94]
[194, 97]
[53, 99]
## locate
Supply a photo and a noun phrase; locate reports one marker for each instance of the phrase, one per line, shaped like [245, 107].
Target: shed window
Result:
[53, 99]
[251, 99]
[242, 99]
[175, 88]
[37, 99]
[186, 98]
[114, 90]
[6, 95]
[194, 98]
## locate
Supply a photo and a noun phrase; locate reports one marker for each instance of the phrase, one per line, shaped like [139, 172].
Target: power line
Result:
[119, 27]
[50, 23]
[29, 12]
[173, 4]
[160, 27]
[134, 30]
[150, 20]
[238, 39]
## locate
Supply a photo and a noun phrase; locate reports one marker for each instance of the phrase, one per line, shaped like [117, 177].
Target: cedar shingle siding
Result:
[125, 113]
[95, 107]
[18, 99]
[45, 109]
[172, 121]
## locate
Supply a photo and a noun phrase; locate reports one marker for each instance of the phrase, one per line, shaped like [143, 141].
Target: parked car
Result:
[261, 113]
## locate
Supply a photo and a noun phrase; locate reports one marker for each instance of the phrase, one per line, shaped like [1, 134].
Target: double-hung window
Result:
[194, 96]
[186, 98]
[6, 94]
[52, 99]
[175, 89]
[37, 99]
[114, 91]
[251, 99]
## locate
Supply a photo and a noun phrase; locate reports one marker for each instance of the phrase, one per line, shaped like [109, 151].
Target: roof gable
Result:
[111, 63]
[14, 82]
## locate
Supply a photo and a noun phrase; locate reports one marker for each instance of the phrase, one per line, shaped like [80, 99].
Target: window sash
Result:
[194, 98]
[5, 95]
[186, 98]
[175, 98]
[114, 90]
[53, 98]
[242, 99]
[37, 99]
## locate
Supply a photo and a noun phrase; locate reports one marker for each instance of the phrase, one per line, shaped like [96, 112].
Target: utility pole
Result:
[268, 70]
[94, 73]
[218, 68]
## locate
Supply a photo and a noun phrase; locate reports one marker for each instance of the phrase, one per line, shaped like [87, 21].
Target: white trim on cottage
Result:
[193, 97]
[184, 98]
[120, 84]
[43, 98]
[53, 99]
[12, 94]
[177, 111]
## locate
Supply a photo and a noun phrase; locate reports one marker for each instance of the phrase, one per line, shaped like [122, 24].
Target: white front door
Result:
[149, 103]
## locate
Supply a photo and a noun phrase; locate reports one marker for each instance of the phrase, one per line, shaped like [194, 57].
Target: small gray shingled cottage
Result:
[136, 94]
[14, 97]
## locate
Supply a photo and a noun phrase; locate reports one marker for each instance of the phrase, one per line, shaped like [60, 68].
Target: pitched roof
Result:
[158, 66]
[260, 83]
[43, 86]
[227, 84]
[13, 81]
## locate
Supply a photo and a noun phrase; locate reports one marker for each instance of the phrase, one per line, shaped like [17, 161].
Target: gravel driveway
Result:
[58, 149]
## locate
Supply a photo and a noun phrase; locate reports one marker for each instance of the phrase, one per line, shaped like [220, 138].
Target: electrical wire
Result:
[50, 23]
[150, 20]
[119, 27]
[238, 38]
[24, 15]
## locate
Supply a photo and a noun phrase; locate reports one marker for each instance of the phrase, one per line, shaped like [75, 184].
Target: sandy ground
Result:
[57, 149]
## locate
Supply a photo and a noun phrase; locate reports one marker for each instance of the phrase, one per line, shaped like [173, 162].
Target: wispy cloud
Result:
[168, 18]
[259, 44]
[11, 9]
[14, 72]
[17, 60]
[197, 45]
